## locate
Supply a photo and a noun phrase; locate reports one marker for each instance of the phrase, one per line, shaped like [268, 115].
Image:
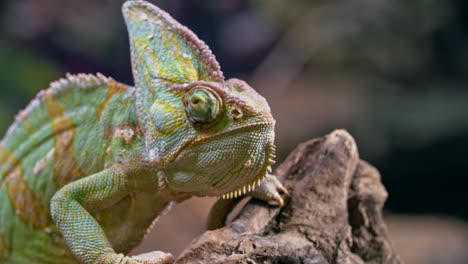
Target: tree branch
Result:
[333, 214]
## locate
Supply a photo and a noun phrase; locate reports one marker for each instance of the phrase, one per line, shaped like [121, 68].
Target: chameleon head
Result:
[209, 136]
[232, 147]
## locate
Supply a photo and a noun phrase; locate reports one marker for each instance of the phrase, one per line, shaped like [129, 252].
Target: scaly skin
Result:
[91, 163]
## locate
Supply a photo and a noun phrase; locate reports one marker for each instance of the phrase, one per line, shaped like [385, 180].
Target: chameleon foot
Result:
[154, 257]
[270, 190]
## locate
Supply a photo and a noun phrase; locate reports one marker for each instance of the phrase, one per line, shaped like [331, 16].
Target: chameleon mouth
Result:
[270, 156]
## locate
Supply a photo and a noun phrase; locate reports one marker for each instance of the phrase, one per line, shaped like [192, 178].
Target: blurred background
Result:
[392, 72]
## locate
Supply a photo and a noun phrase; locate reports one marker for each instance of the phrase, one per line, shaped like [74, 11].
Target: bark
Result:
[333, 214]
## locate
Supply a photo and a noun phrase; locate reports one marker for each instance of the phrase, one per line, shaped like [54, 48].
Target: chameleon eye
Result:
[202, 105]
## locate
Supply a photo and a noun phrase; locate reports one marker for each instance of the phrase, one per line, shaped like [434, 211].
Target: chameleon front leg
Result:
[70, 208]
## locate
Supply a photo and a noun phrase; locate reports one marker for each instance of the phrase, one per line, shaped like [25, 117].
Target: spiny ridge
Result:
[250, 187]
[71, 81]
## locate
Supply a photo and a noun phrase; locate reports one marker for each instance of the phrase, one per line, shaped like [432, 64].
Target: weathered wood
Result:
[333, 214]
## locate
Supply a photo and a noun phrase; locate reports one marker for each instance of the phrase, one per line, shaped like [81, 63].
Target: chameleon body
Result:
[90, 163]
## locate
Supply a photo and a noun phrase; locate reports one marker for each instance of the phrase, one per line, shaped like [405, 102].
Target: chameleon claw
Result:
[281, 202]
[283, 190]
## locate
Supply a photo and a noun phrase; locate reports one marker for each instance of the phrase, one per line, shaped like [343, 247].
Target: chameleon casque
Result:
[90, 163]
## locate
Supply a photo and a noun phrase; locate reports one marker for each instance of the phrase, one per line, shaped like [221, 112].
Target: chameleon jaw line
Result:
[175, 154]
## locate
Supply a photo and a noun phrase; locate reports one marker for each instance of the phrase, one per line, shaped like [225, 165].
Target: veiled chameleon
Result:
[91, 162]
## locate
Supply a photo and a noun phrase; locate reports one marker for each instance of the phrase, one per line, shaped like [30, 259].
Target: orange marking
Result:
[3, 154]
[112, 88]
[3, 248]
[66, 168]
[28, 207]
[8, 161]
[54, 108]
[115, 87]
[62, 124]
